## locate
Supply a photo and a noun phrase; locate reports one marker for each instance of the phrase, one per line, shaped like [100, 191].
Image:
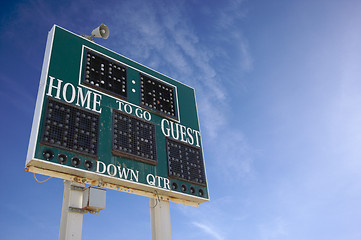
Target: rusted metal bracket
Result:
[77, 210]
[76, 188]
[82, 211]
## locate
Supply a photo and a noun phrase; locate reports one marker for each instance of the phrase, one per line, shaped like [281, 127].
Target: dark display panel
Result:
[69, 127]
[158, 96]
[185, 162]
[102, 73]
[134, 138]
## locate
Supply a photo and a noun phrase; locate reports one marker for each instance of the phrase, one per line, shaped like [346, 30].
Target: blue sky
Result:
[278, 87]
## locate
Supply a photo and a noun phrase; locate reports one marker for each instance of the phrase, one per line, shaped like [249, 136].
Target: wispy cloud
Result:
[167, 40]
[233, 157]
[209, 230]
[15, 94]
[210, 217]
[273, 230]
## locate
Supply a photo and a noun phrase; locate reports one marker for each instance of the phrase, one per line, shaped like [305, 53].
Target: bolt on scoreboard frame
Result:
[103, 119]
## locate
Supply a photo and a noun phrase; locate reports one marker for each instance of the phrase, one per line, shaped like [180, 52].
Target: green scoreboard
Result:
[103, 119]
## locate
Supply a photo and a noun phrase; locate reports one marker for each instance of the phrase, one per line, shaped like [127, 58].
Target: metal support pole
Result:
[160, 219]
[71, 215]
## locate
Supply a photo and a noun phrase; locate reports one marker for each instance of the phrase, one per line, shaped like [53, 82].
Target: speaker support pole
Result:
[71, 223]
[160, 219]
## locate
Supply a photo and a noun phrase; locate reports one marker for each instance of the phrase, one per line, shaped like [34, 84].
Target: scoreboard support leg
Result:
[71, 223]
[160, 219]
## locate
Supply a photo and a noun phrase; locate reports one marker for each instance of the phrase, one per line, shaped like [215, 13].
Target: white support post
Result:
[160, 219]
[71, 218]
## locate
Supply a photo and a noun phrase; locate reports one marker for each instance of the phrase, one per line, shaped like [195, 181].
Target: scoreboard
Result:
[103, 119]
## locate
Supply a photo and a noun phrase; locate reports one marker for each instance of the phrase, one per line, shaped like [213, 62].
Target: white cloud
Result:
[273, 230]
[165, 37]
[246, 58]
[233, 157]
[345, 119]
[211, 217]
[210, 230]
[230, 14]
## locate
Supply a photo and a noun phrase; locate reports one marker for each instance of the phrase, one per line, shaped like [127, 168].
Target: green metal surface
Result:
[67, 57]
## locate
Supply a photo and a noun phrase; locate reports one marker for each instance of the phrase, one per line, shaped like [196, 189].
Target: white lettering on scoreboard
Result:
[131, 175]
[75, 93]
[92, 101]
[180, 132]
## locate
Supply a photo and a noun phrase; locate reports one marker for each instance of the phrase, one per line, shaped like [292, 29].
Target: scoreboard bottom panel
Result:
[88, 177]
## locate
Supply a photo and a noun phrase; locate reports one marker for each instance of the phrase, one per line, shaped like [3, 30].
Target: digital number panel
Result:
[185, 162]
[102, 73]
[134, 138]
[72, 128]
[158, 96]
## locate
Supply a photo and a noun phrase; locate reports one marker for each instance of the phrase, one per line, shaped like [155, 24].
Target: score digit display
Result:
[71, 128]
[106, 120]
[104, 74]
[185, 162]
[134, 138]
[158, 96]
